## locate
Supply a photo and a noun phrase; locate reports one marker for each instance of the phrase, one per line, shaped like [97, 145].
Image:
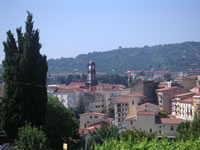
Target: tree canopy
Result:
[61, 125]
[25, 71]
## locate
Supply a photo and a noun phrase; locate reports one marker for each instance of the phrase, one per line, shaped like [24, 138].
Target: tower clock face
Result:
[89, 67]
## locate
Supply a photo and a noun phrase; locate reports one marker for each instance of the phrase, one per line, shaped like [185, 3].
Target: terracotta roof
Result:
[122, 100]
[187, 100]
[166, 89]
[65, 91]
[197, 87]
[80, 84]
[131, 117]
[173, 100]
[146, 113]
[184, 94]
[198, 94]
[91, 129]
[92, 113]
[135, 94]
[171, 121]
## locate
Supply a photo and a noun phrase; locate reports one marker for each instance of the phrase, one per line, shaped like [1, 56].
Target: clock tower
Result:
[91, 75]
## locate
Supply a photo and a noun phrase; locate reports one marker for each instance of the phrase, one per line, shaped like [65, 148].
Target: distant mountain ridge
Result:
[172, 57]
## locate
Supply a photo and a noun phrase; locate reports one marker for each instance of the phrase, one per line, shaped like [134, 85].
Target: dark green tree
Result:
[25, 71]
[61, 125]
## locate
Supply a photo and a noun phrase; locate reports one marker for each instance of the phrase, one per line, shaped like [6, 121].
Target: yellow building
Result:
[196, 102]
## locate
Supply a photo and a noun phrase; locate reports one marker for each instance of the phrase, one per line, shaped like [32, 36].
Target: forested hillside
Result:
[172, 57]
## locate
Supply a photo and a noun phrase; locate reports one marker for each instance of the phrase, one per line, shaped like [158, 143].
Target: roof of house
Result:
[148, 101]
[92, 113]
[187, 100]
[135, 94]
[184, 94]
[173, 100]
[166, 89]
[65, 91]
[91, 129]
[171, 121]
[146, 113]
[122, 100]
[80, 84]
[196, 87]
[131, 117]
[197, 94]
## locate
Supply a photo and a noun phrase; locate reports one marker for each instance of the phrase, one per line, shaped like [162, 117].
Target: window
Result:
[160, 126]
[119, 115]
[172, 128]
[131, 122]
[118, 105]
[159, 132]
[90, 117]
[118, 120]
[85, 125]
[132, 102]
[96, 117]
[163, 125]
[150, 130]
[126, 105]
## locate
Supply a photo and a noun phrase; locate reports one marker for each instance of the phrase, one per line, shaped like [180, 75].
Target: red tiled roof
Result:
[197, 87]
[146, 113]
[187, 100]
[135, 94]
[131, 117]
[173, 100]
[122, 100]
[198, 94]
[80, 84]
[65, 91]
[91, 129]
[184, 94]
[166, 89]
[171, 121]
[92, 113]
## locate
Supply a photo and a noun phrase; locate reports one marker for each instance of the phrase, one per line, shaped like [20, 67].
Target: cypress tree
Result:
[25, 71]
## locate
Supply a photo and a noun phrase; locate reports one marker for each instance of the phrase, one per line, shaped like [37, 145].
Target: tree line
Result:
[29, 118]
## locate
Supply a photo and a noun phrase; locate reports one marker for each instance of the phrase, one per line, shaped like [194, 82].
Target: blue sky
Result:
[72, 27]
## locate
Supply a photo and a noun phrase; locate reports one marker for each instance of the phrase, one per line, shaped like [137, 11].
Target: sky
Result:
[72, 27]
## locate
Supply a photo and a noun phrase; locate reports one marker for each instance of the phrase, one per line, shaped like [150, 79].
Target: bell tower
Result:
[91, 75]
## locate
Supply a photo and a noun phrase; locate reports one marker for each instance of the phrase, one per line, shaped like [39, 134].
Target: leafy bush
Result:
[31, 138]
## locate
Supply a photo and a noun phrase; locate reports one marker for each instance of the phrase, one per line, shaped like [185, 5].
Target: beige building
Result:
[99, 103]
[188, 82]
[148, 121]
[121, 111]
[165, 95]
[93, 118]
[134, 99]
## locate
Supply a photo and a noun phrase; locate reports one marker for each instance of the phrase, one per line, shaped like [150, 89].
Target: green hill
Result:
[172, 57]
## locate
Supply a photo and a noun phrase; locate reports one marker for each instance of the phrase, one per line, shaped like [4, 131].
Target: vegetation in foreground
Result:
[144, 144]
